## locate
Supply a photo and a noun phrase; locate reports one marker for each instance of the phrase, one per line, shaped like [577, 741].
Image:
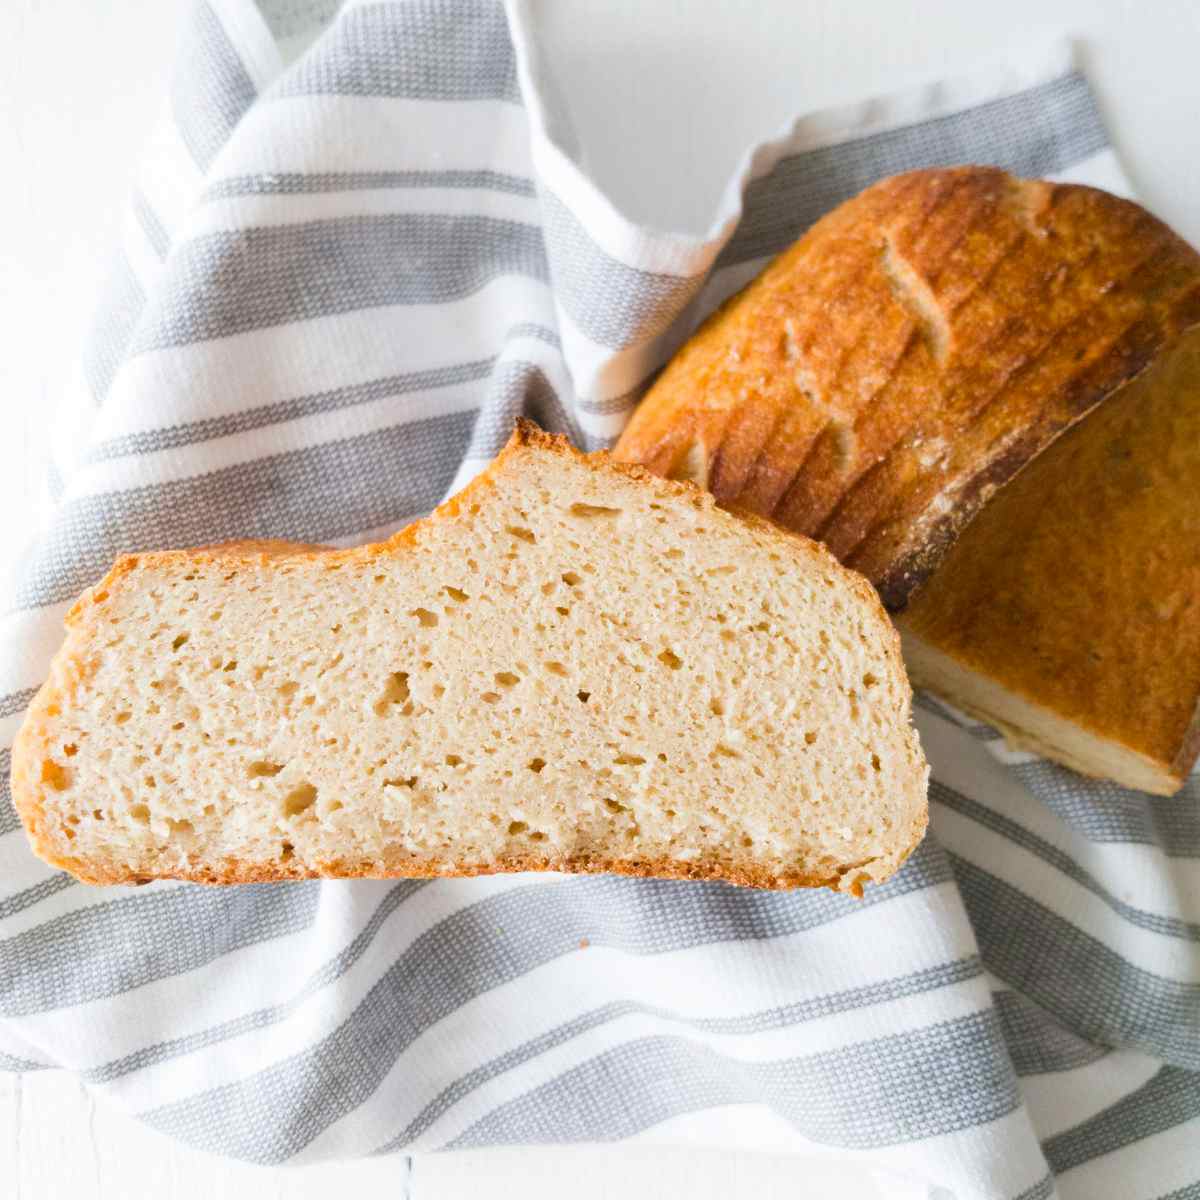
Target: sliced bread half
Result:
[572, 665]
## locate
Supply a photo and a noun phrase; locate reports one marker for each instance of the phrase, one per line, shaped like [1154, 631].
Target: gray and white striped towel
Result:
[348, 267]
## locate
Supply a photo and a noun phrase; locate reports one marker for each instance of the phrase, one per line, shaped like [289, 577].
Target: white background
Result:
[666, 95]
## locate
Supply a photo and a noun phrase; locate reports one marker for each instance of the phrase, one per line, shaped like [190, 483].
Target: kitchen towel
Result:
[352, 260]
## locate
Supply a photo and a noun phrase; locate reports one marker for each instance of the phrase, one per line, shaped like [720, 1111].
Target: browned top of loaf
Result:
[918, 346]
[1079, 585]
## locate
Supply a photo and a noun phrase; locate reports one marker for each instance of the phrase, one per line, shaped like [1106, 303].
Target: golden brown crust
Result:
[911, 353]
[849, 878]
[70, 666]
[1078, 587]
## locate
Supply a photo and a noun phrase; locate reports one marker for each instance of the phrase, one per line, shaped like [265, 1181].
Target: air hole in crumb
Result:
[395, 691]
[583, 697]
[547, 588]
[452, 760]
[150, 781]
[556, 668]
[490, 697]
[287, 851]
[177, 726]
[55, 775]
[729, 570]
[716, 707]
[457, 594]
[427, 618]
[747, 841]
[662, 757]
[333, 806]
[258, 770]
[579, 509]
[629, 760]
[288, 689]
[507, 679]
[181, 640]
[562, 612]
[300, 799]
[671, 659]
[522, 534]
[140, 813]
[231, 665]
[875, 762]
[122, 717]
[809, 738]
[870, 680]
[515, 827]
[726, 751]
[536, 765]
[674, 552]
[438, 691]
[571, 579]
[70, 749]
[410, 782]
[537, 837]
[614, 806]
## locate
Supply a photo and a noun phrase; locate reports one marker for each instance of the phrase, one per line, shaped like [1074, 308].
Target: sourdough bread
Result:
[571, 666]
[1068, 612]
[878, 382]
[882, 382]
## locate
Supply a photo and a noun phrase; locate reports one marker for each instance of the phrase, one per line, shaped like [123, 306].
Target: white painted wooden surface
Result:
[666, 94]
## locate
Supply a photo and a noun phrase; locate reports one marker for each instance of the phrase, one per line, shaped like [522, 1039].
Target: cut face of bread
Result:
[1068, 614]
[570, 666]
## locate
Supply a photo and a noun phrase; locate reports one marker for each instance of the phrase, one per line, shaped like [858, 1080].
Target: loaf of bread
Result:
[570, 666]
[886, 377]
[1068, 613]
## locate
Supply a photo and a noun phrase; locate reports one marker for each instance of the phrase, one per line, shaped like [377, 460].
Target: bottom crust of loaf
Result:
[847, 879]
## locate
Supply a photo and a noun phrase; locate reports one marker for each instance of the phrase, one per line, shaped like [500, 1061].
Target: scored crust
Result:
[910, 354]
[72, 666]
